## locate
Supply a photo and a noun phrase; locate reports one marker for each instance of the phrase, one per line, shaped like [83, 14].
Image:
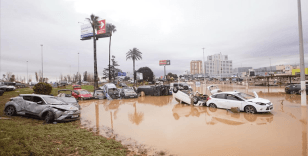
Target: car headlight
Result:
[260, 103]
[69, 112]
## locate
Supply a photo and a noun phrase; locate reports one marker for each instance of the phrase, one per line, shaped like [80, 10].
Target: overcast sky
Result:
[248, 31]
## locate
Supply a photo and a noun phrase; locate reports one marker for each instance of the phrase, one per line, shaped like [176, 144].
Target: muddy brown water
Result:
[163, 123]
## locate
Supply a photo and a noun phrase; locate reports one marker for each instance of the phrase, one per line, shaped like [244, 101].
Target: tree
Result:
[85, 77]
[113, 70]
[134, 54]
[12, 78]
[111, 29]
[147, 73]
[93, 20]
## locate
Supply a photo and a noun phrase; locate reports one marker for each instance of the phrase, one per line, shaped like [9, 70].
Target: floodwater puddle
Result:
[152, 124]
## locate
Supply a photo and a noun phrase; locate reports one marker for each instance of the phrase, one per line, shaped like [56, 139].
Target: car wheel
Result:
[195, 100]
[250, 109]
[10, 111]
[185, 87]
[213, 107]
[49, 117]
[175, 89]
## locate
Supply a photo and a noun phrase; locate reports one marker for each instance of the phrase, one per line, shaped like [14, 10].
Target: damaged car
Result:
[127, 93]
[65, 95]
[46, 107]
[244, 102]
[189, 97]
[82, 94]
[111, 91]
[98, 94]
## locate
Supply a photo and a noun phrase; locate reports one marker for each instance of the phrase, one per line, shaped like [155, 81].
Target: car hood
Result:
[259, 100]
[86, 95]
[65, 107]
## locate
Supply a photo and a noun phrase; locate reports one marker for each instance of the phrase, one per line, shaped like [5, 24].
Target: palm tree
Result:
[111, 29]
[134, 54]
[93, 20]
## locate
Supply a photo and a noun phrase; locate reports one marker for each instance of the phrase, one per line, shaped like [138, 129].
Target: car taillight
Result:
[208, 98]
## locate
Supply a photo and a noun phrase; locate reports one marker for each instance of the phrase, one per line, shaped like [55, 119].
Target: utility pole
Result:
[42, 64]
[301, 54]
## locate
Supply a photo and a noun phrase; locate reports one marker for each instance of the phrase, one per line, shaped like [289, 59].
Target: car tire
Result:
[250, 109]
[49, 117]
[213, 107]
[10, 111]
[175, 89]
[195, 99]
[185, 87]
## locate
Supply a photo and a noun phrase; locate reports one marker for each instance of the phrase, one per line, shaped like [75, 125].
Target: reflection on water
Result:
[185, 130]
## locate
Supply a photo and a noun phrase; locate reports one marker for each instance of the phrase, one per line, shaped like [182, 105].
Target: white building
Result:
[218, 66]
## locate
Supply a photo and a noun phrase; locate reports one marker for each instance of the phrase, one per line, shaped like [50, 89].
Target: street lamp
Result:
[27, 73]
[270, 65]
[78, 69]
[42, 64]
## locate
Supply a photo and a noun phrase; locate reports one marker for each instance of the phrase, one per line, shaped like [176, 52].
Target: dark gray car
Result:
[47, 107]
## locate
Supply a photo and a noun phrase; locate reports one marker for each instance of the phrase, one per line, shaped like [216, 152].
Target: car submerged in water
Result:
[128, 92]
[295, 89]
[110, 91]
[244, 102]
[46, 107]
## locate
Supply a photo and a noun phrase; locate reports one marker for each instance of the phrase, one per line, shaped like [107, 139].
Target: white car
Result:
[244, 102]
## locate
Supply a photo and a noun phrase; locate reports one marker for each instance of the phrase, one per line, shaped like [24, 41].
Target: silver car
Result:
[47, 107]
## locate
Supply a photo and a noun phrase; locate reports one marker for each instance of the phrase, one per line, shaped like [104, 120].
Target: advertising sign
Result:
[121, 74]
[86, 30]
[102, 28]
[164, 62]
[139, 76]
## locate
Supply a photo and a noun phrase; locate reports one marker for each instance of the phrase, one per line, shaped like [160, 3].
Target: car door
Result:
[233, 101]
[36, 106]
[220, 100]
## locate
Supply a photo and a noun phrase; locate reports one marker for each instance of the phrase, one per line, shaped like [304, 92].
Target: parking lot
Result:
[162, 123]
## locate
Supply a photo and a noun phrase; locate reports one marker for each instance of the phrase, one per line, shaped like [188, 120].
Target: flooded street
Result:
[161, 122]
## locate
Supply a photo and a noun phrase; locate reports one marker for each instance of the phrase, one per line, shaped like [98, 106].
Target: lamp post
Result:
[270, 65]
[27, 73]
[301, 54]
[78, 69]
[42, 64]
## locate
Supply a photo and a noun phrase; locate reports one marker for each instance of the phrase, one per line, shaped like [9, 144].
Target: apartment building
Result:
[196, 67]
[218, 66]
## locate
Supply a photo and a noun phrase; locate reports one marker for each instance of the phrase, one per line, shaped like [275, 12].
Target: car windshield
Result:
[245, 96]
[99, 92]
[129, 91]
[84, 92]
[53, 100]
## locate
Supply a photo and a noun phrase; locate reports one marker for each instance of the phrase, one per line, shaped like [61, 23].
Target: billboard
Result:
[121, 74]
[102, 28]
[164, 62]
[86, 30]
[139, 76]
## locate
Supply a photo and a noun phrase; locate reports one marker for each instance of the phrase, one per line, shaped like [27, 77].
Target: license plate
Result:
[74, 116]
[132, 96]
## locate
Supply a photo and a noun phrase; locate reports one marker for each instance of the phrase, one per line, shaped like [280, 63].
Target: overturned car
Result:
[46, 107]
[189, 97]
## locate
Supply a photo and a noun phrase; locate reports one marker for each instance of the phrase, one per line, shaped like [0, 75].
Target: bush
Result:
[42, 88]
